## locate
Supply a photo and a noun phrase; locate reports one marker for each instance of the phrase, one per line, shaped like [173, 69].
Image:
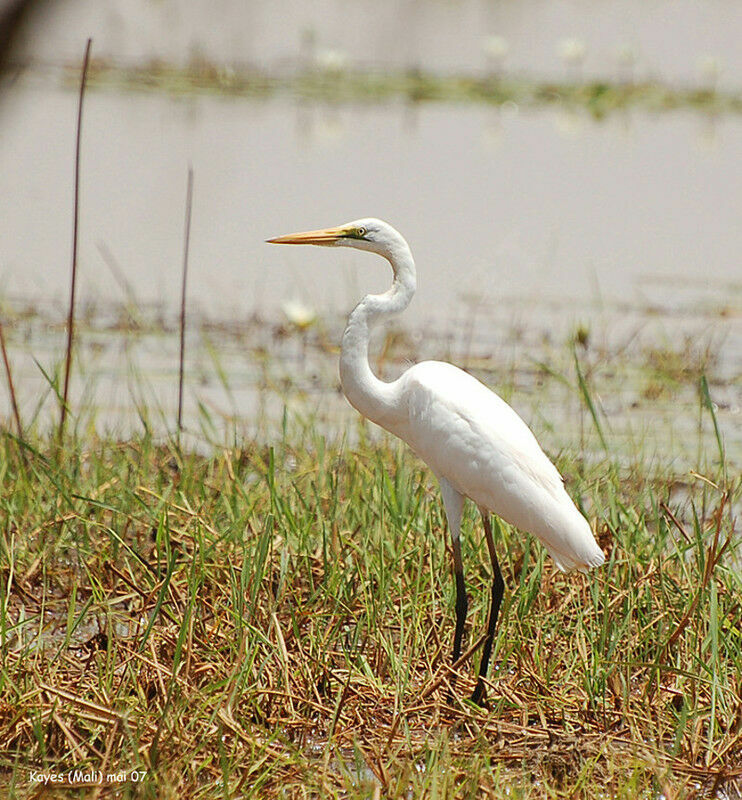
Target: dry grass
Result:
[275, 622]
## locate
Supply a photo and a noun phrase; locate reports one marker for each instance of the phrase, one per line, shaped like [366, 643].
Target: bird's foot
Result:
[479, 695]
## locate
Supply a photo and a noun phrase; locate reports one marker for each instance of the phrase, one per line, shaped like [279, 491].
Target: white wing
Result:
[472, 438]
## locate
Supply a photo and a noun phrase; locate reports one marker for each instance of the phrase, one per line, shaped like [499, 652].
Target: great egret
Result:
[476, 445]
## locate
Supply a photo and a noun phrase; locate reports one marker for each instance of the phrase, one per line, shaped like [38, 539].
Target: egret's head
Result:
[364, 234]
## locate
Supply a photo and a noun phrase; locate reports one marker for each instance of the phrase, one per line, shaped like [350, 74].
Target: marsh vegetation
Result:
[261, 605]
[269, 614]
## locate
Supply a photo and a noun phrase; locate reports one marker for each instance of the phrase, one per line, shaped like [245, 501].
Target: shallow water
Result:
[524, 222]
[638, 209]
[244, 379]
[665, 38]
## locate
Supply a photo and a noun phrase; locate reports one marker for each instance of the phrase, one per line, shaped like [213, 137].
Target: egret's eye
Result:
[361, 231]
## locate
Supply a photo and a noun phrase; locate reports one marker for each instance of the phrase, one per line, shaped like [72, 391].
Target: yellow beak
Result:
[324, 236]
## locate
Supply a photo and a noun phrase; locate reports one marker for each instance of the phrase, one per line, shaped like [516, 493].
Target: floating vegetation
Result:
[345, 84]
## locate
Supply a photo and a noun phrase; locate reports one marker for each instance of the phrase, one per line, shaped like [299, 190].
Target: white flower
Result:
[496, 47]
[331, 60]
[709, 67]
[299, 314]
[572, 51]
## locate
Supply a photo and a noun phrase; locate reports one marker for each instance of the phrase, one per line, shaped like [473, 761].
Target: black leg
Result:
[462, 605]
[498, 588]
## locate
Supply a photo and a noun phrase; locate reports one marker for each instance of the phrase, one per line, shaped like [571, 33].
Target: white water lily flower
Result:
[709, 67]
[299, 314]
[496, 47]
[331, 60]
[572, 50]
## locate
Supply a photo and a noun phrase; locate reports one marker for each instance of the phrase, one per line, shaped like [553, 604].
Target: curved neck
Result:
[375, 398]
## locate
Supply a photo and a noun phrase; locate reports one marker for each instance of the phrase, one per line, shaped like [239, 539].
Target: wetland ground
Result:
[261, 605]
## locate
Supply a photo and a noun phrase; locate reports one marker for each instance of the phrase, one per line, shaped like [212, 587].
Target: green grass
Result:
[275, 621]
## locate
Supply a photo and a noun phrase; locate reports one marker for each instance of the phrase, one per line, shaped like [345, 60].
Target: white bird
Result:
[476, 445]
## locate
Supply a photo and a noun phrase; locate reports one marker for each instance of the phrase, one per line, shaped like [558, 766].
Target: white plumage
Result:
[471, 437]
[476, 445]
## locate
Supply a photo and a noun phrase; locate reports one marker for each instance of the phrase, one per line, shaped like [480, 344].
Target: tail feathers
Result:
[566, 564]
[575, 546]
